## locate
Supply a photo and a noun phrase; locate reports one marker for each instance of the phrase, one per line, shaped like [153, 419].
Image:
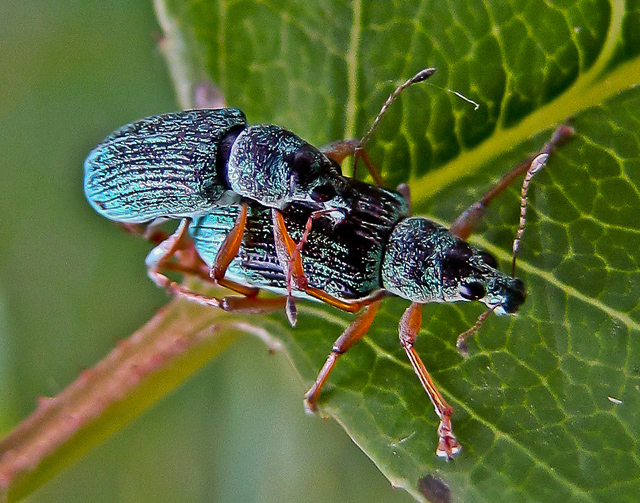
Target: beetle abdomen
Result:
[342, 259]
[161, 166]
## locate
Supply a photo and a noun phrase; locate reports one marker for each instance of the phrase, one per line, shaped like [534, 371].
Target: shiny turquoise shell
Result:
[160, 167]
[343, 259]
[265, 164]
[424, 262]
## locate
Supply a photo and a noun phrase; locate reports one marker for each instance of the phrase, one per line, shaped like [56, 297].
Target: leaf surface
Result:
[547, 403]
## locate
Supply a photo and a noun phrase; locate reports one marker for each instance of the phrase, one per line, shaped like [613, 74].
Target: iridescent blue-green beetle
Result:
[377, 250]
[374, 252]
[185, 164]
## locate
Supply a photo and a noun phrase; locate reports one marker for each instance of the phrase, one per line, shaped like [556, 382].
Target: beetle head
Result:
[273, 166]
[424, 262]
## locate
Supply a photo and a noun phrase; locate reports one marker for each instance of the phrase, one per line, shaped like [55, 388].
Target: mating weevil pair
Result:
[184, 164]
[181, 165]
[187, 163]
[199, 164]
[374, 252]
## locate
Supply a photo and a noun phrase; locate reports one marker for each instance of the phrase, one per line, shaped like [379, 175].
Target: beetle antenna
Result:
[560, 134]
[536, 165]
[421, 76]
[460, 343]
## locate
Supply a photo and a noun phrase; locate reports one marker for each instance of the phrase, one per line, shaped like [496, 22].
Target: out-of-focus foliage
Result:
[72, 285]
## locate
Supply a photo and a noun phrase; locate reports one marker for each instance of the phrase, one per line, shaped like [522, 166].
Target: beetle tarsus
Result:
[448, 445]
[291, 310]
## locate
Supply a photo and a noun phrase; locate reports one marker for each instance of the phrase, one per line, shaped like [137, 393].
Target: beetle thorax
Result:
[424, 262]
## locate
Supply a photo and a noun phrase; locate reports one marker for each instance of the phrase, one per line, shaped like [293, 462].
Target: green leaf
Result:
[546, 405]
[536, 402]
[139, 371]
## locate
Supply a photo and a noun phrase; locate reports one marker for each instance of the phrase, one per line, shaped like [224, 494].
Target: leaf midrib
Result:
[458, 404]
[589, 90]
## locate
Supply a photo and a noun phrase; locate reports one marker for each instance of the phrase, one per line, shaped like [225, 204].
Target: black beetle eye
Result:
[460, 251]
[516, 296]
[323, 193]
[472, 291]
[303, 160]
[488, 259]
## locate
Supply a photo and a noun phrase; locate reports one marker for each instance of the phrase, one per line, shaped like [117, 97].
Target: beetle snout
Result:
[515, 297]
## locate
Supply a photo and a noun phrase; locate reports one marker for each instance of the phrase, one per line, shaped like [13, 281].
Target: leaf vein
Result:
[352, 70]
[569, 290]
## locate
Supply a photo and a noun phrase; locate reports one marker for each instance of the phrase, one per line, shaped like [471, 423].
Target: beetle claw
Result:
[291, 310]
[448, 445]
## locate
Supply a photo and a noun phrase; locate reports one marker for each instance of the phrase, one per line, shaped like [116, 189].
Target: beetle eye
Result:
[488, 259]
[460, 251]
[303, 160]
[323, 193]
[516, 296]
[472, 291]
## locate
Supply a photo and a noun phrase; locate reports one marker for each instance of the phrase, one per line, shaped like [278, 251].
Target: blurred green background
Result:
[72, 284]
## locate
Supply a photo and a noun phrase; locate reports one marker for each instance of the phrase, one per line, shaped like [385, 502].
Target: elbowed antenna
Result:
[356, 147]
[535, 166]
[539, 162]
[421, 76]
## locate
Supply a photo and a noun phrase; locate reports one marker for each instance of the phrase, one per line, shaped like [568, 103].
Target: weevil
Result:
[181, 165]
[185, 164]
[354, 266]
[377, 250]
